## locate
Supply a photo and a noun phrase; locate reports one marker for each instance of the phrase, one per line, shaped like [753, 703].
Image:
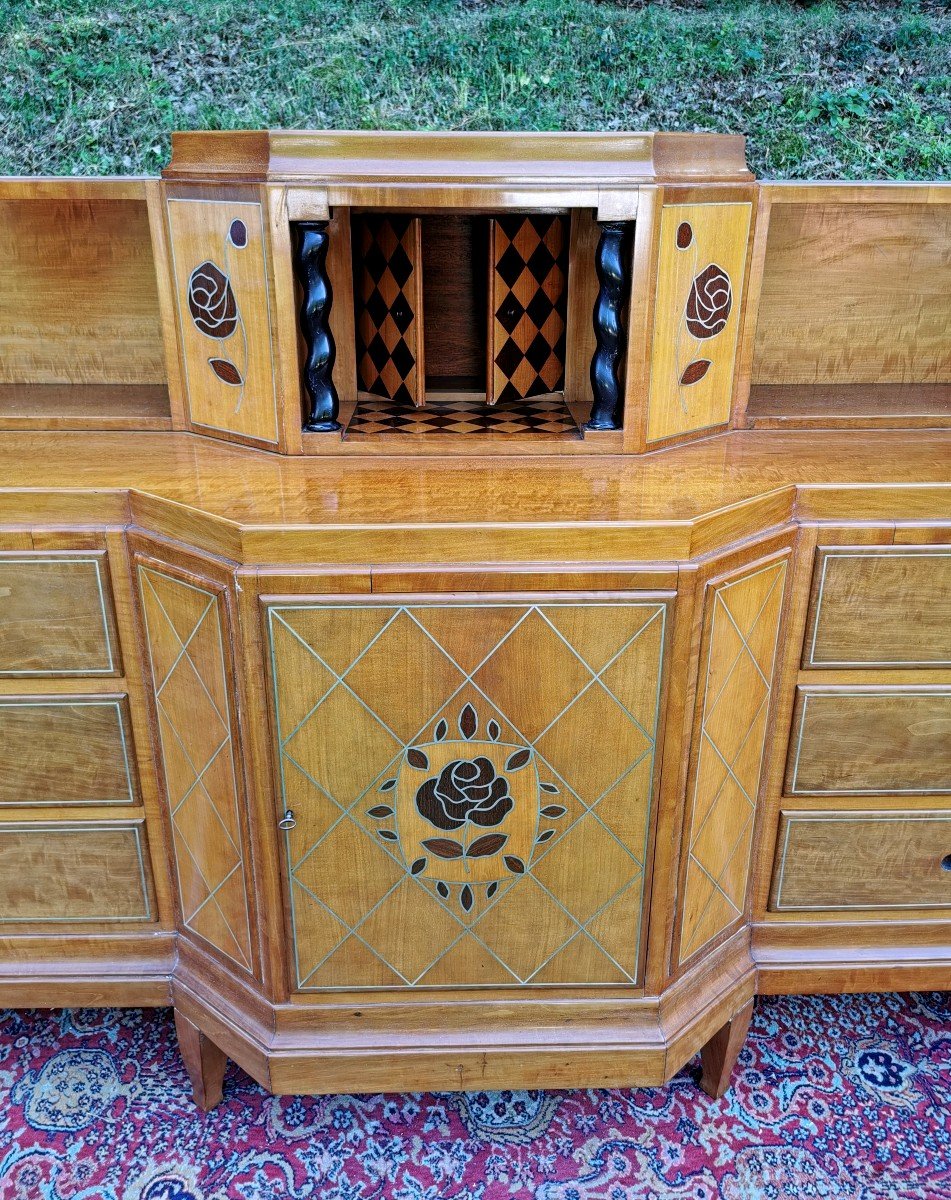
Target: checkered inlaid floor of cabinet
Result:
[388, 418]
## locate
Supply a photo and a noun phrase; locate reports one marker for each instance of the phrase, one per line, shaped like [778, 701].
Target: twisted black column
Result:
[310, 262]
[611, 264]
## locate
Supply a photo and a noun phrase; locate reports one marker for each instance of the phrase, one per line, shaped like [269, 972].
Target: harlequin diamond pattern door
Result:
[743, 616]
[472, 787]
[529, 295]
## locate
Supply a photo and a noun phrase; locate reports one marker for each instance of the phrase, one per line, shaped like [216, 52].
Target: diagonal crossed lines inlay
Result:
[355, 686]
[739, 670]
[183, 625]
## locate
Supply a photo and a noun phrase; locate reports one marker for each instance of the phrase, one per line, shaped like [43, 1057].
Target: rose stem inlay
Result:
[310, 267]
[612, 267]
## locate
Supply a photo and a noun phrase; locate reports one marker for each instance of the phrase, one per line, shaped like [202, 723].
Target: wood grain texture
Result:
[222, 297]
[56, 615]
[855, 293]
[66, 750]
[204, 1062]
[380, 706]
[78, 298]
[455, 276]
[880, 607]
[701, 276]
[60, 872]
[84, 406]
[742, 615]
[870, 741]
[187, 647]
[843, 860]
[849, 406]
[719, 1055]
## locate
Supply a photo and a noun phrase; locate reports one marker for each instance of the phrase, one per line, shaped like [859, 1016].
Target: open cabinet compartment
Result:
[462, 321]
[854, 322]
[80, 329]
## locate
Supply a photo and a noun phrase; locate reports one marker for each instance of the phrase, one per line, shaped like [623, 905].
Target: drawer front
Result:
[863, 860]
[66, 750]
[74, 872]
[870, 742]
[880, 607]
[56, 615]
[462, 817]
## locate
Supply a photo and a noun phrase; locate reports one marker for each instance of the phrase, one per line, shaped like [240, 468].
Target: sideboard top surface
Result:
[551, 159]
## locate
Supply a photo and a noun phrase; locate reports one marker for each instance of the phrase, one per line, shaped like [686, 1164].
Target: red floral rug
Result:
[844, 1097]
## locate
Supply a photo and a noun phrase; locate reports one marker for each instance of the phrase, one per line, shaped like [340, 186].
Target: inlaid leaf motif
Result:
[515, 865]
[553, 811]
[441, 730]
[695, 371]
[390, 784]
[491, 890]
[379, 811]
[443, 890]
[494, 731]
[443, 847]
[543, 837]
[226, 371]
[491, 843]
[416, 758]
[419, 864]
[388, 835]
[468, 722]
[518, 760]
[549, 787]
[466, 898]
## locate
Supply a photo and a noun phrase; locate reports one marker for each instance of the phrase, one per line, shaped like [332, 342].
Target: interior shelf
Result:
[849, 406]
[84, 406]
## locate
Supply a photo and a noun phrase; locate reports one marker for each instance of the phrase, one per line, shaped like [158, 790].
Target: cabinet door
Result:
[471, 784]
[390, 307]
[528, 299]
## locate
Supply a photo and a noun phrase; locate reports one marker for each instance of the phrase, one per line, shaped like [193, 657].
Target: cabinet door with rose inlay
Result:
[469, 787]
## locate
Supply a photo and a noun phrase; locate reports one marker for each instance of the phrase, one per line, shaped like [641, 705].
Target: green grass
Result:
[825, 90]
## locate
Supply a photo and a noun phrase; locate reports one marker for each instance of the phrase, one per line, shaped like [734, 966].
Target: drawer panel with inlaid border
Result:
[56, 615]
[870, 741]
[70, 872]
[832, 860]
[66, 750]
[880, 607]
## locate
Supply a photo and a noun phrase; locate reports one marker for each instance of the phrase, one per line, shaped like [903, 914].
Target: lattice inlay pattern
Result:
[471, 786]
[389, 418]
[741, 653]
[186, 650]
[387, 327]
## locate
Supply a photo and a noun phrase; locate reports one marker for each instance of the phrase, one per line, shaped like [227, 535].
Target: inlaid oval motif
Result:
[684, 235]
[710, 302]
[695, 371]
[238, 234]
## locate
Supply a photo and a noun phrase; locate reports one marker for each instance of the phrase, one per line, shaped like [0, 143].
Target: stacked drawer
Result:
[72, 834]
[866, 814]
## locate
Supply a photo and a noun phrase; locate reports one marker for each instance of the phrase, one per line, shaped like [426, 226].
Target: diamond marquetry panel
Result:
[389, 305]
[186, 650]
[740, 656]
[529, 295]
[448, 789]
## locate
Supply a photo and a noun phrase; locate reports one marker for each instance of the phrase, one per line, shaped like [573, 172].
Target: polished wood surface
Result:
[57, 615]
[60, 872]
[847, 860]
[871, 740]
[719, 1055]
[700, 284]
[66, 750]
[204, 1062]
[880, 608]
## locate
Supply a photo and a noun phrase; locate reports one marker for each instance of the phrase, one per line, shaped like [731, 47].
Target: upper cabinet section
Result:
[471, 294]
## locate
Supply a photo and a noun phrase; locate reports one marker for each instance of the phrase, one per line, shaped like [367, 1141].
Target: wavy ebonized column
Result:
[611, 265]
[310, 263]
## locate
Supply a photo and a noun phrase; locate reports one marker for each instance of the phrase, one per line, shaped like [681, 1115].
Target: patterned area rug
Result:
[834, 1097]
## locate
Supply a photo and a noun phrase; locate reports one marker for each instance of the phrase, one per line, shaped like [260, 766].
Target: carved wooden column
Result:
[613, 270]
[310, 267]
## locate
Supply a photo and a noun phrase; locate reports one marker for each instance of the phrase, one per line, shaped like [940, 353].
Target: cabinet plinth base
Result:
[204, 1062]
[719, 1055]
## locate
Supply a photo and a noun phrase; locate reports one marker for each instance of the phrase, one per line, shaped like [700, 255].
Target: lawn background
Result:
[822, 90]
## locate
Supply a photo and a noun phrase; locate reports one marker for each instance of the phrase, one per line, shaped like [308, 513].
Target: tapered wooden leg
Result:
[719, 1055]
[204, 1062]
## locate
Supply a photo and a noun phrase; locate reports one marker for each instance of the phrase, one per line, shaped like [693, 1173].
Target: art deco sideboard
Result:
[475, 610]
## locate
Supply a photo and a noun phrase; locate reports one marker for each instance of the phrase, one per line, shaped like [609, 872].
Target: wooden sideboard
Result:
[475, 610]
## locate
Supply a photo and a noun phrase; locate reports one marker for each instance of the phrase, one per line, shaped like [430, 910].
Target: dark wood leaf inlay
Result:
[553, 811]
[443, 890]
[388, 835]
[388, 786]
[515, 865]
[441, 730]
[491, 843]
[468, 722]
[466, 898]
[443, 847]
[543, 837]
[419, 864]
[226, 371]
[695, 371]
[416, 758]
[380, 810]
[518, 760]
[491, 890]
[549, 787]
